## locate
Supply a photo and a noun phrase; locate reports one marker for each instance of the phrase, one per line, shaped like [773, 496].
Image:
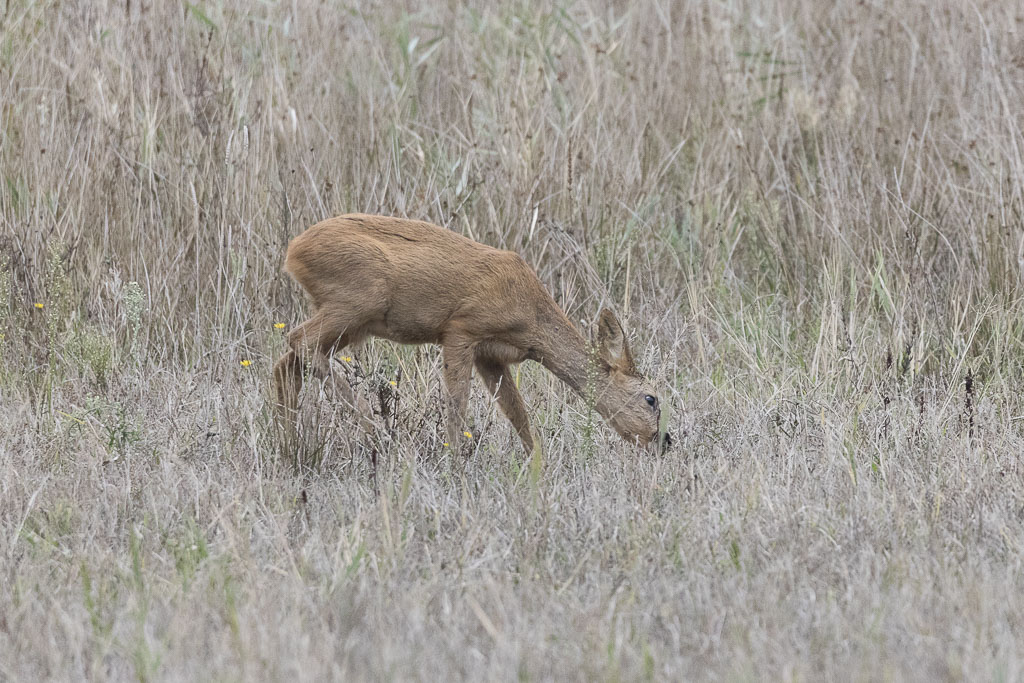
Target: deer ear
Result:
[612, 346]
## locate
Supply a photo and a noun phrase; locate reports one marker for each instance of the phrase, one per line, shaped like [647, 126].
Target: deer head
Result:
[622, 396]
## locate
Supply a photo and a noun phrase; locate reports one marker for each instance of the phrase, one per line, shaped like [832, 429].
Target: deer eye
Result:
[651, 401]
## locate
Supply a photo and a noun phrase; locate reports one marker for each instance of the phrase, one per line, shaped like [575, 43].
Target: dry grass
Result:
[809, 215]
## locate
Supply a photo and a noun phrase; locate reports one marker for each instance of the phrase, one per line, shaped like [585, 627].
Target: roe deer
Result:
[417, 283]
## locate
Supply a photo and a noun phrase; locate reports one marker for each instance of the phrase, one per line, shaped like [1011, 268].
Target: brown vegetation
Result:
[807, 214]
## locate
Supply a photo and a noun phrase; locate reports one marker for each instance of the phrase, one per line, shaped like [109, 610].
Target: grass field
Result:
[808, 215]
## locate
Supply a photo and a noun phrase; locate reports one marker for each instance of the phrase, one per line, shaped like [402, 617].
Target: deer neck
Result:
[564, 351]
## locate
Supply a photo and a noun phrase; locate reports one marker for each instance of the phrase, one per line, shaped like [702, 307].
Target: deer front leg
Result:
[458, 372]
[500, 383]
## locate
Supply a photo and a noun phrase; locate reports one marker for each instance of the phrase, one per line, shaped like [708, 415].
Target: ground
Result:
[808, 216]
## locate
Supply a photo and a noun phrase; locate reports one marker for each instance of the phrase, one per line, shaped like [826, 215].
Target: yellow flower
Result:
[393, 383]
[246, 363]
[278, 326]
[38, 305]
[347, 359]
[446, 444]
[468, 435]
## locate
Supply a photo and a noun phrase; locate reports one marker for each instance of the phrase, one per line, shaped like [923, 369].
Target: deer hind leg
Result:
[458, 372]
[310, 343]
[288, 383]
[500, 383]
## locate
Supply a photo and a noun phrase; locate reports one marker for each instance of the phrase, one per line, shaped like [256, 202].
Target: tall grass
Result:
[808, 214]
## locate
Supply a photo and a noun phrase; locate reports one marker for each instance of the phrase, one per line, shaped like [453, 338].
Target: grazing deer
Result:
[417, 283]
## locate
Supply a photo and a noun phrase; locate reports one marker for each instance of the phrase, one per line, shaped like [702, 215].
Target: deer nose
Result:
[666, 441]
